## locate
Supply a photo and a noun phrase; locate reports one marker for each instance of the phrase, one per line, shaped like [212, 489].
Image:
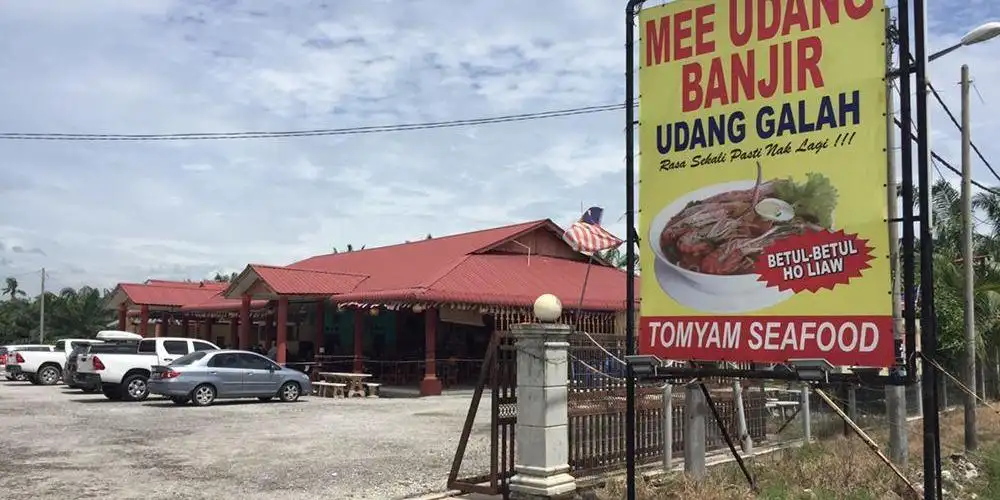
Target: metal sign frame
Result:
[905, 372]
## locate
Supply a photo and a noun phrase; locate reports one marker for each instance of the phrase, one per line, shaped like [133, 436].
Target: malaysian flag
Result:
[587, 236]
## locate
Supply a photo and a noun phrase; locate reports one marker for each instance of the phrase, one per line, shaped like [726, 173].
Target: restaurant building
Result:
[417, 314]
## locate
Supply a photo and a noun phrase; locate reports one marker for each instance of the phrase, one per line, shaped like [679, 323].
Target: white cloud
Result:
[110, 211]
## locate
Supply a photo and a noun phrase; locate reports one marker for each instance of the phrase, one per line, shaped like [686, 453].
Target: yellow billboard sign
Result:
[763, 181]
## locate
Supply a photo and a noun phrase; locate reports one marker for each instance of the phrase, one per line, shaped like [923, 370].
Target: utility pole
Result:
[41, 312]
[967, 264]
[895, 395]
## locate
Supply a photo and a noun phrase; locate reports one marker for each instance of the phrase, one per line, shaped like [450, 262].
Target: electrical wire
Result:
[375, 129]
[959, 126]
[948, 165]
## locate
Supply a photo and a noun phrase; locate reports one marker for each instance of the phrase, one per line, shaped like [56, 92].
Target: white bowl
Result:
[707, 283]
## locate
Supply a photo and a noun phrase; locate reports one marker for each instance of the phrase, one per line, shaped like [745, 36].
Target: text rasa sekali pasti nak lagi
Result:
[763, 172]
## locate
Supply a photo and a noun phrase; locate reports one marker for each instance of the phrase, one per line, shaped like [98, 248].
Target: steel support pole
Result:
[631, 9]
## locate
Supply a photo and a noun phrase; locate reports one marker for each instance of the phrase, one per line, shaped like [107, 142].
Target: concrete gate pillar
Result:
[542, 446]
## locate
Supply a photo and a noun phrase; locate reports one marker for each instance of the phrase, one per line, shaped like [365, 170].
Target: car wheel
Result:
[134, 388]
[203, 395]
[180, 400]
[265, 398]
[112, 392]
[48, 375]
[21, 377]
[289, 392]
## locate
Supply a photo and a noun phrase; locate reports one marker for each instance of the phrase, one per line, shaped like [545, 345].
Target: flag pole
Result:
[583, 292]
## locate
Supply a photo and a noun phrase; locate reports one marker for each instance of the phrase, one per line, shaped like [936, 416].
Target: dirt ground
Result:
[57, 443]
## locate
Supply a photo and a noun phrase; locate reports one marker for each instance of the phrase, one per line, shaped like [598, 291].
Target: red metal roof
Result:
[511, 280]
[167, 294]
[288, 281]
[455, 268]
[417, 263]
[218, 302]
[217, 285]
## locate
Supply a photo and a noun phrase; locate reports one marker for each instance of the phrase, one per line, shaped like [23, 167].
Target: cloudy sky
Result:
[103, 212]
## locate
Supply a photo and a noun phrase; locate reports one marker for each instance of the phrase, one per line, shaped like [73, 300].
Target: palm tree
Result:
[77, 312]
[11, 288]
[225, 278]
[949, 277]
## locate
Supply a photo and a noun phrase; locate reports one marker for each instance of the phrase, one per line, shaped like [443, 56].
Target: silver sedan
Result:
[204, 376]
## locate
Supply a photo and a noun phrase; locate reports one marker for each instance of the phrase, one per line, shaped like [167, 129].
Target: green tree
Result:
[225, 278]
[11, 289]
[949, 304]
[69, 313]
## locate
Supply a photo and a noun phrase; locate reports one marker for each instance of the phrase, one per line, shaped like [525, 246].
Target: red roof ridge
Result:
[529, 228]
[177, 285]
[533, 224]
[308, 270]
[443, 274]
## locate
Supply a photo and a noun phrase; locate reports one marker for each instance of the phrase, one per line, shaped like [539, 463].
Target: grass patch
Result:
[991, 472]
[837, 468]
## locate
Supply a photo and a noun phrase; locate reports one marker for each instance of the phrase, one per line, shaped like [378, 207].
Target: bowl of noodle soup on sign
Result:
[712, 237]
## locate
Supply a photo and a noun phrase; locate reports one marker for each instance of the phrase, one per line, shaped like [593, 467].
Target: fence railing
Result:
[597, 424]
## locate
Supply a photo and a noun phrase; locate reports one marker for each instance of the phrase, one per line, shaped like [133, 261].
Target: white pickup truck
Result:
[123, 376]
[45, 367]
[10, 352]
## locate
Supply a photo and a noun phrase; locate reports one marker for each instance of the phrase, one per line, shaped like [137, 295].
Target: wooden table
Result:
[355, 381]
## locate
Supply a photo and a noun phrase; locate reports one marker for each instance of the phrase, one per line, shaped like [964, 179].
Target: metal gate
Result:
[499, 375]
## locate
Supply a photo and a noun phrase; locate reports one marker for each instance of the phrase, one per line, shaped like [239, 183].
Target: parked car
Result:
[124, 376]
[44, 367]
[9, 352]
[202, 377]
[111, 341]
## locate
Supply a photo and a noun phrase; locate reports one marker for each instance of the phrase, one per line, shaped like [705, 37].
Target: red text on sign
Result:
[782, 67]
[841, 340]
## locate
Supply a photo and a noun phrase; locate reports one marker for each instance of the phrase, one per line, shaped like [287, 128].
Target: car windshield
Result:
[188, 359]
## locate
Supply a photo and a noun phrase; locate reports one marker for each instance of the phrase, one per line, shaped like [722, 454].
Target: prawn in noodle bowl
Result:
[723, 234]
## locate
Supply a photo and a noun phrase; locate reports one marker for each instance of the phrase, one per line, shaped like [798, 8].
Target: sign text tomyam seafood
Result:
[762, 193]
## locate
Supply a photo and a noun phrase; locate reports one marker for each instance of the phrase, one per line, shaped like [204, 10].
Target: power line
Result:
[946, 164]
[47, 136]
[959, 172]
[959, 126]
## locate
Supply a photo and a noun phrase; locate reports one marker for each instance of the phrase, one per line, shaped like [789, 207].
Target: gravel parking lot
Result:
[57, 443]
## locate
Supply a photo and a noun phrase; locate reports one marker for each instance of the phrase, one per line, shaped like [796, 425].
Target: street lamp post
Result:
[980, 34]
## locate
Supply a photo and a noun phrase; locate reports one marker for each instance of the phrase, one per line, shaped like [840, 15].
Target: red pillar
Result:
[282, 332]
[158, 329]
[320, 325]
[244, 323]
[185, 327]
[144, 320]
[430, 385]
[206, 332]
[359, 332]
[234, 332]
[122, 313]
[268, 335]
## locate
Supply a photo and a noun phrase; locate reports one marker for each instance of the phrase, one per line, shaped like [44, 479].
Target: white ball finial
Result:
[548, 308]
